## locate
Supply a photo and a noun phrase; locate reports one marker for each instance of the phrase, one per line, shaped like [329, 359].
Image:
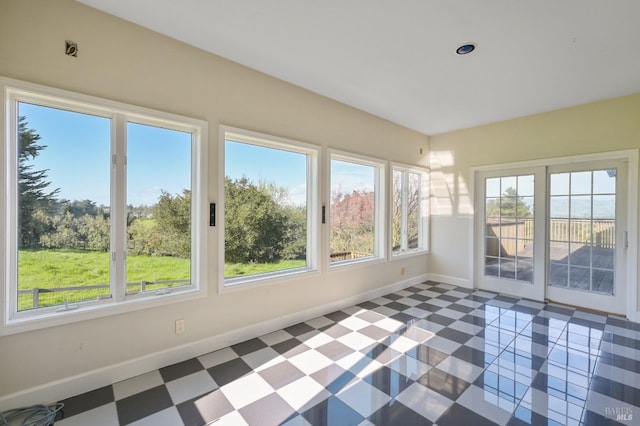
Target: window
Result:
[270, 207]
[509, 230]
[356, 208]
[102, 209]
[408, 210]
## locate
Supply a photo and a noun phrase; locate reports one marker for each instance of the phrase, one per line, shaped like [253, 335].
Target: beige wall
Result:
[598, 127]
[121, 61]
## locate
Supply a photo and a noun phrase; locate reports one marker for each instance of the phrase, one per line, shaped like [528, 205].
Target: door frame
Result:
[632, 265]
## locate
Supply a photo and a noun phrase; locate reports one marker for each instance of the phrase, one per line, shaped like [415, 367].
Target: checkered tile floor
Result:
[432, 353]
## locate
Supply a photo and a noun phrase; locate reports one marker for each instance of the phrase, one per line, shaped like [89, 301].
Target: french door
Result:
[510, 219]
[555, 233]
[586, 235]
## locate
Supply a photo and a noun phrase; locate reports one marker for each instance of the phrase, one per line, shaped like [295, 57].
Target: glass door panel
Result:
[508, 221]
[582, 230]
[584, 259]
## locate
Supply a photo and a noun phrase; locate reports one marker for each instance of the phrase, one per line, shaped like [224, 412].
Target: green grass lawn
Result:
[232, 270]
[47, 269]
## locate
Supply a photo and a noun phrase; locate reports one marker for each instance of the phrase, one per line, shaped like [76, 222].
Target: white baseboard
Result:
[446, 279]
[94, 379]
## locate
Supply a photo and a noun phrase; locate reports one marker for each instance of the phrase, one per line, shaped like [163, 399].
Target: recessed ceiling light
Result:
[466, 49]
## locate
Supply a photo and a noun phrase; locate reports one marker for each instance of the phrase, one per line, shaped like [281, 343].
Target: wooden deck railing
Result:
[514, 235]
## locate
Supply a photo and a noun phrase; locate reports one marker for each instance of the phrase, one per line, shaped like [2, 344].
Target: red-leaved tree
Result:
[353, 222]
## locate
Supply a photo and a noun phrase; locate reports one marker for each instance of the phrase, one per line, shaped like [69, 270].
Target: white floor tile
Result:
[424, 401]
[167, 417]
[310, 361]
[275, 337]
[246, 390]
[218, 357]
[356, 340]
[354, 323]
[363, 398]
[190, 386]
[461, 369]
[487, 404]
[105, 415]
[389, 324]
[232, 419]
[261, 357]
[304, 393]
[137, 384]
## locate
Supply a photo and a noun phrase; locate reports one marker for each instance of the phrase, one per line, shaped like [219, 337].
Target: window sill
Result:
[366, 261]
[260, 280]
[410, 253]
[53, 316]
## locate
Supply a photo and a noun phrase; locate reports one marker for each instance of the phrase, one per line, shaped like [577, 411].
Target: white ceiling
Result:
[396, 58]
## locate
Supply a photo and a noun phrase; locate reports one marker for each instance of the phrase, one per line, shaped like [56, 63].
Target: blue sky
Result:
[77, 156]
[260, 164]
[77, 160]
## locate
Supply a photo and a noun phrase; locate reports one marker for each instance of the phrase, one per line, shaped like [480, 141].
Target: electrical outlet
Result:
[181, 326]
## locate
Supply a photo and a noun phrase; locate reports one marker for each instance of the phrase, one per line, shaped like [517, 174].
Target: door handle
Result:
[626, 239]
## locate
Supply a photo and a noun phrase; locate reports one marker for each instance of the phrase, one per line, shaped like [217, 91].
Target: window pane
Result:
[559, 184]
[413, 210]
[492, 187]
[63, 204]
[158, 208]
[265, 209]
[580, 183]
[509, 227]
[397, 210]
[604, 181]
[352, 210]
[525, 185]
[582, 232]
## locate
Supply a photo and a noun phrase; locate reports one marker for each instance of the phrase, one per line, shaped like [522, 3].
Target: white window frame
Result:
[313, 218]
[380, 214]
[423, 225]
[14, 321]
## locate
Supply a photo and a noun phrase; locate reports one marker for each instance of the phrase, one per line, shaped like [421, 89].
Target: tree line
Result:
[260, 224]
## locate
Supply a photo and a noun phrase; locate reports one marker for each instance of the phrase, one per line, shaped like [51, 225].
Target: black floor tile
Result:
[290, 347]
[204, 409]
[458, 415]
[461, 308]
[181, 369]
[427, 354]
[589, 418]
[143, 404]
[249, 346]
[332, 411]
[299, 329]
[428, 307]
[403, 318]
[368, 305]
[454, 335]
[474, 356]
[396, 414]
[616, 390]
[87, 401]
[337, 316]
[229, 371]
[443, 383]
[388, 381]
[397, 306]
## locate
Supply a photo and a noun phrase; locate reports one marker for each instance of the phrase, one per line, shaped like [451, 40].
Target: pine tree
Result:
[32, 188]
